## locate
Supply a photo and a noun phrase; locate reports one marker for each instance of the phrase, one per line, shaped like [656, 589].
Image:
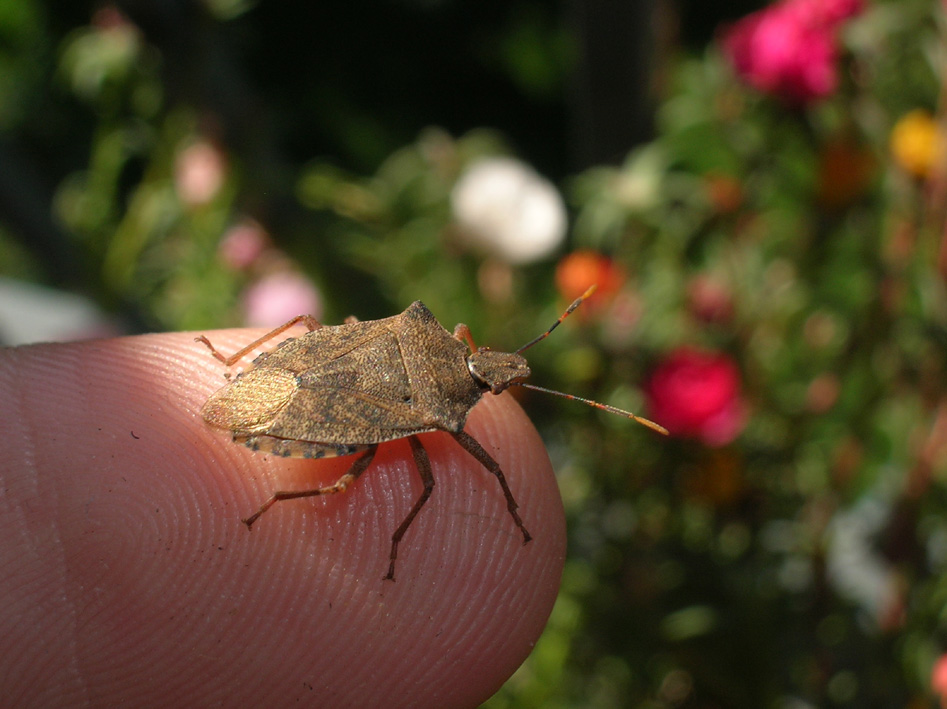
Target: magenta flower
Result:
[696, 394]
[790, 49]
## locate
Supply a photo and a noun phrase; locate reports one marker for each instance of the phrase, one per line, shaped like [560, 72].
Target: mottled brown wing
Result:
[319, 347]
[353, 388]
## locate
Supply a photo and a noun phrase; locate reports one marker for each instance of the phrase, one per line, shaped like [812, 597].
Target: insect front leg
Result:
[470, 444]
[341, 485]
[462, 334]
[309, 321]
[427, 477]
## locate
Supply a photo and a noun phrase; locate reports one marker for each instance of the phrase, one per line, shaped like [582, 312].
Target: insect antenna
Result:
[575, 304]
[604, 407]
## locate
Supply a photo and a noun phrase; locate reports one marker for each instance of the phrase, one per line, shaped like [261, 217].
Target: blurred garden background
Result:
[760, 192]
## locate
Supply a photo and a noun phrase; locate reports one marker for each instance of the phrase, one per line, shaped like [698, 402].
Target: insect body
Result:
[342, 390]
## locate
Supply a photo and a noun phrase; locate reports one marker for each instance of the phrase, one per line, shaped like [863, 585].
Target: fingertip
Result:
[151, 519]
[468, 591]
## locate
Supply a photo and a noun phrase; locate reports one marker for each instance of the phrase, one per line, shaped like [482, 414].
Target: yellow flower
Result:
[916, 144]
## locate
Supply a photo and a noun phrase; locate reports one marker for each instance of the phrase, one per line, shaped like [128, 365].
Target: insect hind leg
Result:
[340, 485]
[470, 444]
[427, 477]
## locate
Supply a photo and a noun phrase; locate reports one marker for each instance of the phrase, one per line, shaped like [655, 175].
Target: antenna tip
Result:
[653, 426]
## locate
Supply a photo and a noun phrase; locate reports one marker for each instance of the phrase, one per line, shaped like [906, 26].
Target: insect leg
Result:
[470, 444]
[309, 321]
[462, 333]
[358, 467]
[427, 477]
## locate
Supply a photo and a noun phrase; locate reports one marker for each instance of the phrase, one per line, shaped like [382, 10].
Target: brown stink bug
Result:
[341, 390]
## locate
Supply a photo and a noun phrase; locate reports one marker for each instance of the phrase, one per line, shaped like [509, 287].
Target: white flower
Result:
[854, 565]
[507, 209]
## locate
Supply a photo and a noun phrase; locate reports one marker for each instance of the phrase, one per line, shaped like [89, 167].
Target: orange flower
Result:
[916, 144]
[580, 269]
[725, 192]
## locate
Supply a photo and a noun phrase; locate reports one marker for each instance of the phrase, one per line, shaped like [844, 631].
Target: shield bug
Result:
[345, 389]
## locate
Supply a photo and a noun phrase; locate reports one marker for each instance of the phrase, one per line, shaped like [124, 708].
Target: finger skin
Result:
[129, 578]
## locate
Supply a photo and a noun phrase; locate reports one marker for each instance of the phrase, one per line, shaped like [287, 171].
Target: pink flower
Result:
[837, 11]
[789, 49]
[710, 299]
[939, 677]
[199, 173]
[280, 297]
[697, 394]
[243, 244]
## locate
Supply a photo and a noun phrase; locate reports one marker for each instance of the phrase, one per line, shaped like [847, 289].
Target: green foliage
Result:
[801, 563]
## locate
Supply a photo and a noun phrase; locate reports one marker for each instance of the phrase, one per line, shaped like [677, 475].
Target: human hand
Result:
[128, 576]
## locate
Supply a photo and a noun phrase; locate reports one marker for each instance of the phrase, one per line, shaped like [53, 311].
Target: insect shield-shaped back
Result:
[345, 389]
[341, 390]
